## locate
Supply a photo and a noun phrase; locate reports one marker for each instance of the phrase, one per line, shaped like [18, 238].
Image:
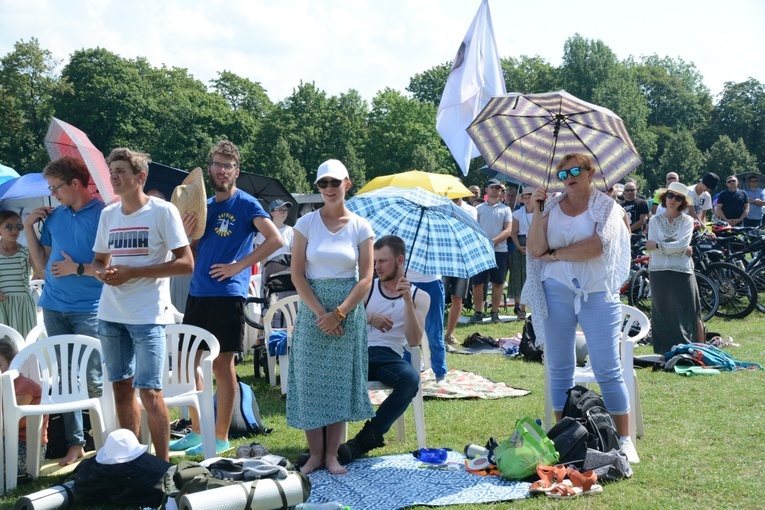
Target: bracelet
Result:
[552, 255]
[339, 315]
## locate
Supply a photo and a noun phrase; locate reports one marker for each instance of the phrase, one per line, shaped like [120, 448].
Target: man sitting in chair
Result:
[396, 314]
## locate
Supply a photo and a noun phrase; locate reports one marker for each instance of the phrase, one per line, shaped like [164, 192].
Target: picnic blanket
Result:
[458, 384]
[398, 481]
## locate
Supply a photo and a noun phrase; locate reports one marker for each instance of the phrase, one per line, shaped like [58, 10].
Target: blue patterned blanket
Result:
[398, 481]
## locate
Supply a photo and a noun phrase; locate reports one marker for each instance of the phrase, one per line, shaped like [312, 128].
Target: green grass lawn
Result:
[704, 435]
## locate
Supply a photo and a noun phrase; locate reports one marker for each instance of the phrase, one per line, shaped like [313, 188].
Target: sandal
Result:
[582, 483]
[546, 475]
[520, 314]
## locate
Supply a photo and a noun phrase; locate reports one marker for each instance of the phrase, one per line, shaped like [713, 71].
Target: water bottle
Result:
[431, 455]
[332, 505]
[473, 450]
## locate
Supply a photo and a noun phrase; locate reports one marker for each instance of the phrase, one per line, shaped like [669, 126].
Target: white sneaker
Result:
[628, 449]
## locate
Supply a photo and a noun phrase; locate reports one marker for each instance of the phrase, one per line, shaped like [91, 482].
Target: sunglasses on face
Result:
[18, 226]
[573, 172]
[335, 183]
[674, 196]
[628, 190]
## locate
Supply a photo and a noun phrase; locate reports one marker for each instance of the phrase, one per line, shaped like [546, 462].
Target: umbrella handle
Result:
[541, 205]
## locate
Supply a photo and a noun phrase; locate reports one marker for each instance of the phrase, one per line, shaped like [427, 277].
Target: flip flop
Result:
[546, 476]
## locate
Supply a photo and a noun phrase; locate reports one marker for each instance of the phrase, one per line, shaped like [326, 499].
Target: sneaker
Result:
[220, 446]
[495, 318]
[628, 449]
[477, 318]
[452, 340]
[190, 440]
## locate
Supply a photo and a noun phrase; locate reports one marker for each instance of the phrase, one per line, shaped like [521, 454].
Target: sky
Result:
[368, 45]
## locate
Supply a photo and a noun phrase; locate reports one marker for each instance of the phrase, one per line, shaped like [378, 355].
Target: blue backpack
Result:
[246, 420]
[710, 356]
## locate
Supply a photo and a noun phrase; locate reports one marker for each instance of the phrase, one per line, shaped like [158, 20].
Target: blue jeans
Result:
[388, 367]
[601, 323]
[434, 325]
[77, 323]
[133, 350]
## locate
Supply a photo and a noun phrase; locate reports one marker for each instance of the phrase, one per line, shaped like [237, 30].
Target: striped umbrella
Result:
[523, 135]
[441, 238]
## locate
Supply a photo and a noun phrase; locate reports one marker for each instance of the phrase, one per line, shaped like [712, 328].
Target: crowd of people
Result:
[107, 272]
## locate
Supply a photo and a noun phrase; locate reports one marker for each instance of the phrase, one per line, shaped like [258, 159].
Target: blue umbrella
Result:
[26, 186]
[7, 173]
[441, 238]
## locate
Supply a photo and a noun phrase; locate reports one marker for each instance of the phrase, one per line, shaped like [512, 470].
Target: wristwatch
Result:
[80, 269]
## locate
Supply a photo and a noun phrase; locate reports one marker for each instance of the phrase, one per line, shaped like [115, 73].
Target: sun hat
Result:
[121, 446]
[277, 204]
[333, 169]
[527, 190]
[190, 197]
[677, 187]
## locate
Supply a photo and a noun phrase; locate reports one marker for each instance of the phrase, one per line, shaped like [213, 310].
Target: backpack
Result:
[570, 438]
[134, 483]
[587, 407]
[246, 420]
[528, 348]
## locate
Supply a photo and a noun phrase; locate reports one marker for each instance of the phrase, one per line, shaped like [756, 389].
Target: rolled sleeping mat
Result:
[267, 494]
[58, 496]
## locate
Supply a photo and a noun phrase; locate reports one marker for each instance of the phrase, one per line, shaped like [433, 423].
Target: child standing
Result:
[27, 392]
[17, 308]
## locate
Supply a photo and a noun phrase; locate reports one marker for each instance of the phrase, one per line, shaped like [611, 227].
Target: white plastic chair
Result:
[253, 312]
[16, 337]
[183, 342]
[418, 406]
[62, 391]
[36, 287]
[287, 308]
[585, 375]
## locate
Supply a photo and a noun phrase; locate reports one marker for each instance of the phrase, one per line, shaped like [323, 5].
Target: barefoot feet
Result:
[312, 464]
[334, 466]
[74, 454]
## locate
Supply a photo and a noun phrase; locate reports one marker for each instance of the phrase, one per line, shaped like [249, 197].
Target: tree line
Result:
[672, 117]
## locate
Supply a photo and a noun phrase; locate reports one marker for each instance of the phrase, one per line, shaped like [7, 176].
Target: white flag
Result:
[476, 77]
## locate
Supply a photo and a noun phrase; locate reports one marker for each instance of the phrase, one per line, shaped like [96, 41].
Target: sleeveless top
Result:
[392, 307]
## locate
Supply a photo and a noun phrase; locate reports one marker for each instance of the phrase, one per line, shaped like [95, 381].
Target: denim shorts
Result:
[133, 350]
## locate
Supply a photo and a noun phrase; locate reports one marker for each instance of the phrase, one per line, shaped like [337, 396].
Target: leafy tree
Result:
[682, 156]
[356, 167]
[27, 84]
[429, 85]
[287, 169]
[726, 157]
[530, 75]
[587, 64]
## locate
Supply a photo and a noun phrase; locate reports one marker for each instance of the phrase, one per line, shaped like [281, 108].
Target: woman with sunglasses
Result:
[17, 308]
[578, 256]
[332, 263]
[675, 305]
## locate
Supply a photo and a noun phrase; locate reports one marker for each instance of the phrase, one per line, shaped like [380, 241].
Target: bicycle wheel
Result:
[639, 291]
[708, 295]
[738, 292]
[758, 275]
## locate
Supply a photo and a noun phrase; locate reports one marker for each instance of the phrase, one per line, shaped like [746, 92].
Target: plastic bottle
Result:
[473, 450]
[431, 455]
[332, 505]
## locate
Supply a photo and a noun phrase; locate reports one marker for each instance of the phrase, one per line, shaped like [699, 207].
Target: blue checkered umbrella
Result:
[440, 237]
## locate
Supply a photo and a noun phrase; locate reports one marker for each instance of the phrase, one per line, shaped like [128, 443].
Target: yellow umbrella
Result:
[440, 184]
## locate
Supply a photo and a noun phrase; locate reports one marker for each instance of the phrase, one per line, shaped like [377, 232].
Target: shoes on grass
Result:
[628, 448]
[452, 340]
[220, 446]
[495, 318]
[477, 318]
[190, 440]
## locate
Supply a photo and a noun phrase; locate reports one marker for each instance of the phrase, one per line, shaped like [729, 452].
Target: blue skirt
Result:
[327, 376]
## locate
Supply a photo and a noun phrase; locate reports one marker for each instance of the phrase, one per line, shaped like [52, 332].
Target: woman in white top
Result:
[579, 249]
[675, 307]
[521, 223]
[332, 263]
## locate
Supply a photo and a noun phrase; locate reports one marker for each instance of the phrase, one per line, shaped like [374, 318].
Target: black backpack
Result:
[528, 347]
[587, 407]
[134, 483]
[570, 438]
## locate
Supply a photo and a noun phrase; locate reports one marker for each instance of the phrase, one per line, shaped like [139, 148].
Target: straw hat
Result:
[121, 446]
[190, 197]
[676, 187]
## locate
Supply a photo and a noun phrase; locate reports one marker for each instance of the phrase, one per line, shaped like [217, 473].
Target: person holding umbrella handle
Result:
[577, 240]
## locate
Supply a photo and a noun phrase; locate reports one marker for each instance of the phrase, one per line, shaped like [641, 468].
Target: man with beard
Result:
[224, 256]
[396, 313]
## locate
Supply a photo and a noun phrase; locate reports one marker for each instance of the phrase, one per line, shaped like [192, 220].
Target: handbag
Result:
[518, 457]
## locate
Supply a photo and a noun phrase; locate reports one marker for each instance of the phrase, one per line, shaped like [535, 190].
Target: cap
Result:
[333, 169]
[710, 180]
[277, 204]
[493, 182]
[527, 190]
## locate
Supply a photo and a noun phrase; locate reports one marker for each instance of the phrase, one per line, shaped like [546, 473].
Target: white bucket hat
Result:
[121, 446]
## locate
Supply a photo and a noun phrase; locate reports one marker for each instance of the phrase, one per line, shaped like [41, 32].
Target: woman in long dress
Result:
[332, 268]
[17, 308]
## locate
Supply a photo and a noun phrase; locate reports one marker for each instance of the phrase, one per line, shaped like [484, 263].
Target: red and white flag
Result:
[476, 77]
